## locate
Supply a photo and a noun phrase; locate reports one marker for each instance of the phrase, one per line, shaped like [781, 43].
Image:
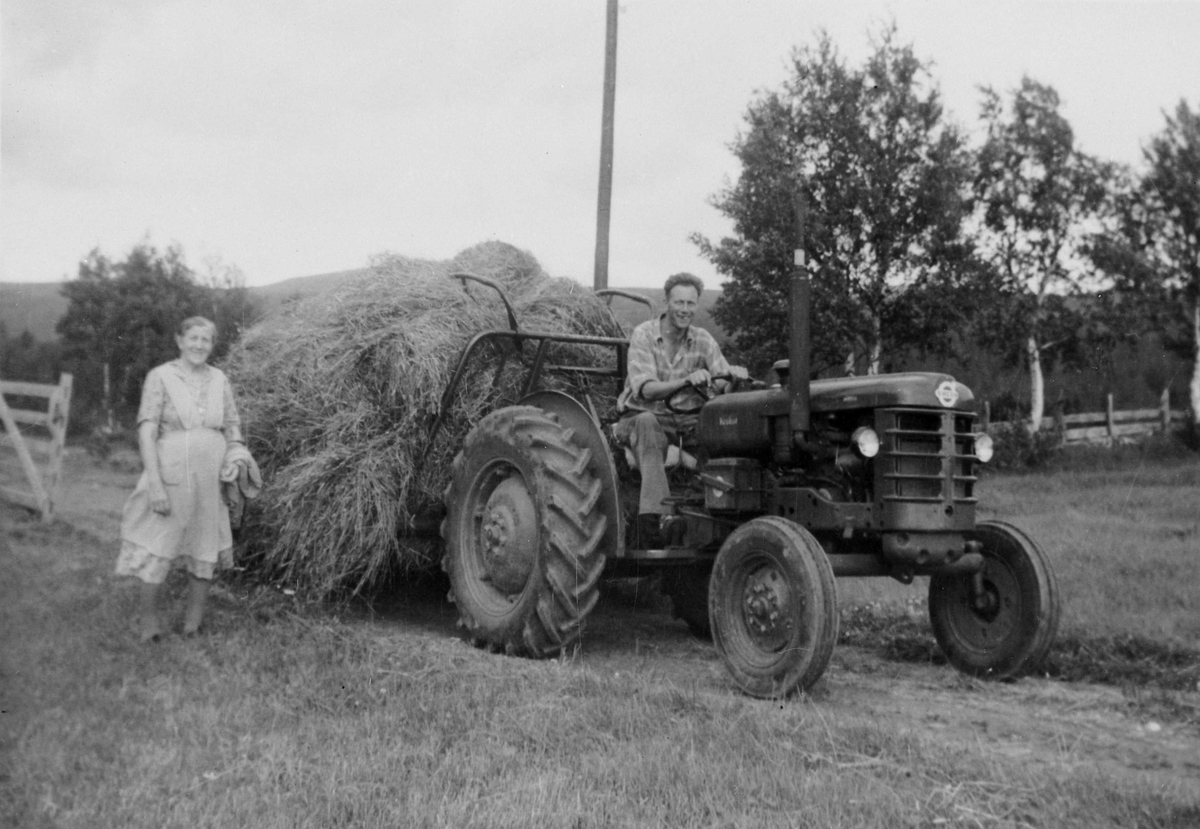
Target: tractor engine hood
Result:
[747, 424]
[912, 388]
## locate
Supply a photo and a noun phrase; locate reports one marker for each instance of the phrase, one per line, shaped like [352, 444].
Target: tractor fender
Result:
[588, 434]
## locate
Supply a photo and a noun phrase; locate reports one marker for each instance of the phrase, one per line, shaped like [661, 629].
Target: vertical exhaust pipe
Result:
[800, 338]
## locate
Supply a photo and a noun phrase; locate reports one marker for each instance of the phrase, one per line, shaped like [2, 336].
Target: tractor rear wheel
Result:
[1003, 625]
[522, 531]
[773, 606]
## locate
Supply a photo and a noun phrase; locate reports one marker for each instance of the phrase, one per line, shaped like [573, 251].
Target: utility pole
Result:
[604, 202]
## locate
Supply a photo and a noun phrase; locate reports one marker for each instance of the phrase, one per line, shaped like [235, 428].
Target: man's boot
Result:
[648, 532]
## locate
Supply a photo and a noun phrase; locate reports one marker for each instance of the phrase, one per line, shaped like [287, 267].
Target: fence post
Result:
[1108, 415]
[987, 416]
[58, 412]
[1166, 410]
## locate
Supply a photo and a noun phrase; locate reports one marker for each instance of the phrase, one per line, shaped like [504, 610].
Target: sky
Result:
[305, 136]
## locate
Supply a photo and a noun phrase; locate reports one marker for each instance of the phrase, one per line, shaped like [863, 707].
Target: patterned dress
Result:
[196, 419]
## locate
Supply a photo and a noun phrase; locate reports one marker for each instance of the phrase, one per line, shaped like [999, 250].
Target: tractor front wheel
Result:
[522, 532]
[773, 607]
[999, 622]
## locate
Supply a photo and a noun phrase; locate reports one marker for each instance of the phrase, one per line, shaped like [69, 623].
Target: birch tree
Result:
[1038, 199]
[1154, 247]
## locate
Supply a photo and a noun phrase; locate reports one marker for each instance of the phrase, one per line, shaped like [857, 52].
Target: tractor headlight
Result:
[866, 441]
[984, 447]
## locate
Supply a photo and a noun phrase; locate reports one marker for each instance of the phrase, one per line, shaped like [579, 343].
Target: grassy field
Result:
[1123, 530]
[289, 716]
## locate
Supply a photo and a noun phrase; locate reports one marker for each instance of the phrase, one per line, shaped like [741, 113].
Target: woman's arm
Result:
[150, 414]
[148, 447]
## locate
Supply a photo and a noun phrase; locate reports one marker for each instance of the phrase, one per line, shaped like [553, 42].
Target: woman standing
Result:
[186, 422]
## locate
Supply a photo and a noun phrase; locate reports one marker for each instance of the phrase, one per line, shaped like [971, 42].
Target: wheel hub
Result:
[985, 600]
[765, 602]
[508, 536]
[987, 609]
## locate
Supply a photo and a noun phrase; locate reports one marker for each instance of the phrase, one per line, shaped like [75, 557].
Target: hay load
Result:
[338, 392]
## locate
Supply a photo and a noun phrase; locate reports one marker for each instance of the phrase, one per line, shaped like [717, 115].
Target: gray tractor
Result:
[793, 485]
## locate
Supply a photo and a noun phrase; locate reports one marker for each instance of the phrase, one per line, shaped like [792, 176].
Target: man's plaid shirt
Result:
[648, 361]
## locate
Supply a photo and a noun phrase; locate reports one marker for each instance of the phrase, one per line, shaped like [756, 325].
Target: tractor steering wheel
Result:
[706, 392]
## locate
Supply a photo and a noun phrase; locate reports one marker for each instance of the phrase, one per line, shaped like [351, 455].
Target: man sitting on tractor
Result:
[672, 366]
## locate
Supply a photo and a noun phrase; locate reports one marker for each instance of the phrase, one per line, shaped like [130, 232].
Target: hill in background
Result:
[32, 306]
[37, 306]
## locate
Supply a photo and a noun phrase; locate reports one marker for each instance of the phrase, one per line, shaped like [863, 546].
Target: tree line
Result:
[121, 321]
[920, 241]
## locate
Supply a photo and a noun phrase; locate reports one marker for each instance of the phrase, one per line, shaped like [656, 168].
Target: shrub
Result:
[1017, 448]
[1156, 448]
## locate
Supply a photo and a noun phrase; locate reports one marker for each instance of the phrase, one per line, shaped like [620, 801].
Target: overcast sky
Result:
[301, 137]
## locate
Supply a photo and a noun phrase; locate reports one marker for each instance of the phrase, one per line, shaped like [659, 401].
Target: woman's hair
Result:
[683, 279]
[197, 322]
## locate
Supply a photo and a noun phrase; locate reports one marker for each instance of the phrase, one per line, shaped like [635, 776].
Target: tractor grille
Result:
[927, 456]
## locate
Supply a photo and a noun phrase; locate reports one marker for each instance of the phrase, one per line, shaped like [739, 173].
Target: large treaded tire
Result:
[773, 606]
[1012, 634]
[523, 529]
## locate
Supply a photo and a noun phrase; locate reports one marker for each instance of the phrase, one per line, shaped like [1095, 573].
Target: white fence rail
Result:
[1111, 425]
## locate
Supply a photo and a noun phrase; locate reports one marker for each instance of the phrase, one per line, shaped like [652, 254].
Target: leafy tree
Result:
[124, 316]
[885, 177]
[228, 303]
[1036, 195]
[1162, 227]
[24, 358]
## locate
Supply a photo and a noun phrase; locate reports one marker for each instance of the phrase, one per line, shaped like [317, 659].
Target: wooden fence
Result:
[1111, 426]
[41, 480]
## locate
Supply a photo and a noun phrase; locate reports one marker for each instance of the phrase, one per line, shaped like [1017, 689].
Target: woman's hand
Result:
[159, 502]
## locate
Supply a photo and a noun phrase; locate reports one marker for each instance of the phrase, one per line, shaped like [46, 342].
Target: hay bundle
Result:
[338, 393]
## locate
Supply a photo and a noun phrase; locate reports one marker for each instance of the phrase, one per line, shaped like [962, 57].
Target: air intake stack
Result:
[800, 337]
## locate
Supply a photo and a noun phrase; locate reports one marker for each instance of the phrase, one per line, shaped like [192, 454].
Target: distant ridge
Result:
[32, 306]
[37, 306]
[305, 285]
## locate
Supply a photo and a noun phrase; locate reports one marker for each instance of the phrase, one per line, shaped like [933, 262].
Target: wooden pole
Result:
[1108, 416]
[1166, 411]
[604, 200]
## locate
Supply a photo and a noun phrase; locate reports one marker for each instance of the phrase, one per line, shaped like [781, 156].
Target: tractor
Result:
[787, 487]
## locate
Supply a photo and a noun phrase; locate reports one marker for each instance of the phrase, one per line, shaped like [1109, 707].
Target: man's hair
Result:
[683, 278]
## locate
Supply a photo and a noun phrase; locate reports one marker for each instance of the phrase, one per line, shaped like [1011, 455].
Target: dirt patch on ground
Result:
[1153, 737]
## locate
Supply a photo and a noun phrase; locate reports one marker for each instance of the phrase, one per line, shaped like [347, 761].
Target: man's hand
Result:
[739, 373]
[700, 378]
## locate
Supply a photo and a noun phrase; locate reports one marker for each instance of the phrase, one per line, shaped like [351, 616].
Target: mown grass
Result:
[285, 715]
[1122, 528]
[1125, 542]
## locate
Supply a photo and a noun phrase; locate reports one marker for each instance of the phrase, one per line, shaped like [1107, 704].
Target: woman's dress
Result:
[196, 417]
